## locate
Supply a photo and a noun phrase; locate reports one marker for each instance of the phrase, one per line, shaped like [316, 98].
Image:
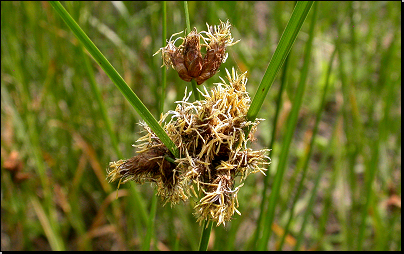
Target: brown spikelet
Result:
[150, 165]
[187, 59]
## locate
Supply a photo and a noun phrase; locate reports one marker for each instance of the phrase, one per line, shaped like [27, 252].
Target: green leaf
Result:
[292, 119]
[116, 78]
[285, 45]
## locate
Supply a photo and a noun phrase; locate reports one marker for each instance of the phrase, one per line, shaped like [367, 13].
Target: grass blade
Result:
[309, 152]
[286, 42]
[116, 78]
[321, 169]
[54, 241]
[263, 206]
[291, 124]
[207, 228]
[96, 91]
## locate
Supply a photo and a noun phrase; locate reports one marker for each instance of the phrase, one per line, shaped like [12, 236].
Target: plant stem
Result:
[285, 44]
[322, 164]
[291, 124]
[267, 178]
[163, 70]
[116, 78]
[207, 227]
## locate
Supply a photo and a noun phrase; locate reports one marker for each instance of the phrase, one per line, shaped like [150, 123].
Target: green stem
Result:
[116, 78]
[326, 152]
[291, 124]
[96, 91]
[285, 44]
[267, 178]
[163, 70]
[207, 228]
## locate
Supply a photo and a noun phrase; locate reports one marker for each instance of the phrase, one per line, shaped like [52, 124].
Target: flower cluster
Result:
[213, 151]
[187, 59]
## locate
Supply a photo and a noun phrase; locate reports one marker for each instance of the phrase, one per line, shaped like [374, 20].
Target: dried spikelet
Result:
[213, 148]
[150, 165]
[187, 59]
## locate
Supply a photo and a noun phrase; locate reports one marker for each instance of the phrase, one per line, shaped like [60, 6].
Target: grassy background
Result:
[55, 147]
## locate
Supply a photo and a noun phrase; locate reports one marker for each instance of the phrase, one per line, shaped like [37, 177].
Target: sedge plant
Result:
[354, 185]
[165, 149]
[63, 120]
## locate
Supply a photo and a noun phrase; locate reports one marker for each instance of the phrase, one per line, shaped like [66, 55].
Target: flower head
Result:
[187, 59]
[213, 152]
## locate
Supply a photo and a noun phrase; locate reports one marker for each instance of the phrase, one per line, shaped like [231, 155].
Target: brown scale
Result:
[211, 62]
[192, 54]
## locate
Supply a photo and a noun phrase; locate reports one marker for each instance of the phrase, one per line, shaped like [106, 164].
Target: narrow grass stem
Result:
[314, 191]
[163, 70]
[267, 178]
[291, 125]
[322, 167]
[310, 148]
[150, 223]
[207, 228]
[285, 44]
[97, 94]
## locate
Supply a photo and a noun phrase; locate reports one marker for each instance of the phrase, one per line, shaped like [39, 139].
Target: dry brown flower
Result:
[213, 147]
[187, 59]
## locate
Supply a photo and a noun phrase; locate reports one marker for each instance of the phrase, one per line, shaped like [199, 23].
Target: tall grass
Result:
[332, 120]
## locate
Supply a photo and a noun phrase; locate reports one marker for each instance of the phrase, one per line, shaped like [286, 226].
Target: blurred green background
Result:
[55, 148]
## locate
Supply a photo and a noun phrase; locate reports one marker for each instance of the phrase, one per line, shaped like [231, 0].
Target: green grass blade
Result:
[263, 206]
[335, 154]
[163, 70]
[150, 224]
[321, 169]
[207, 228]
[97, 94]
[291, 124]
[116, 78]
[310, 206]
[370, 173]
[309, 152]
[286, 42]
